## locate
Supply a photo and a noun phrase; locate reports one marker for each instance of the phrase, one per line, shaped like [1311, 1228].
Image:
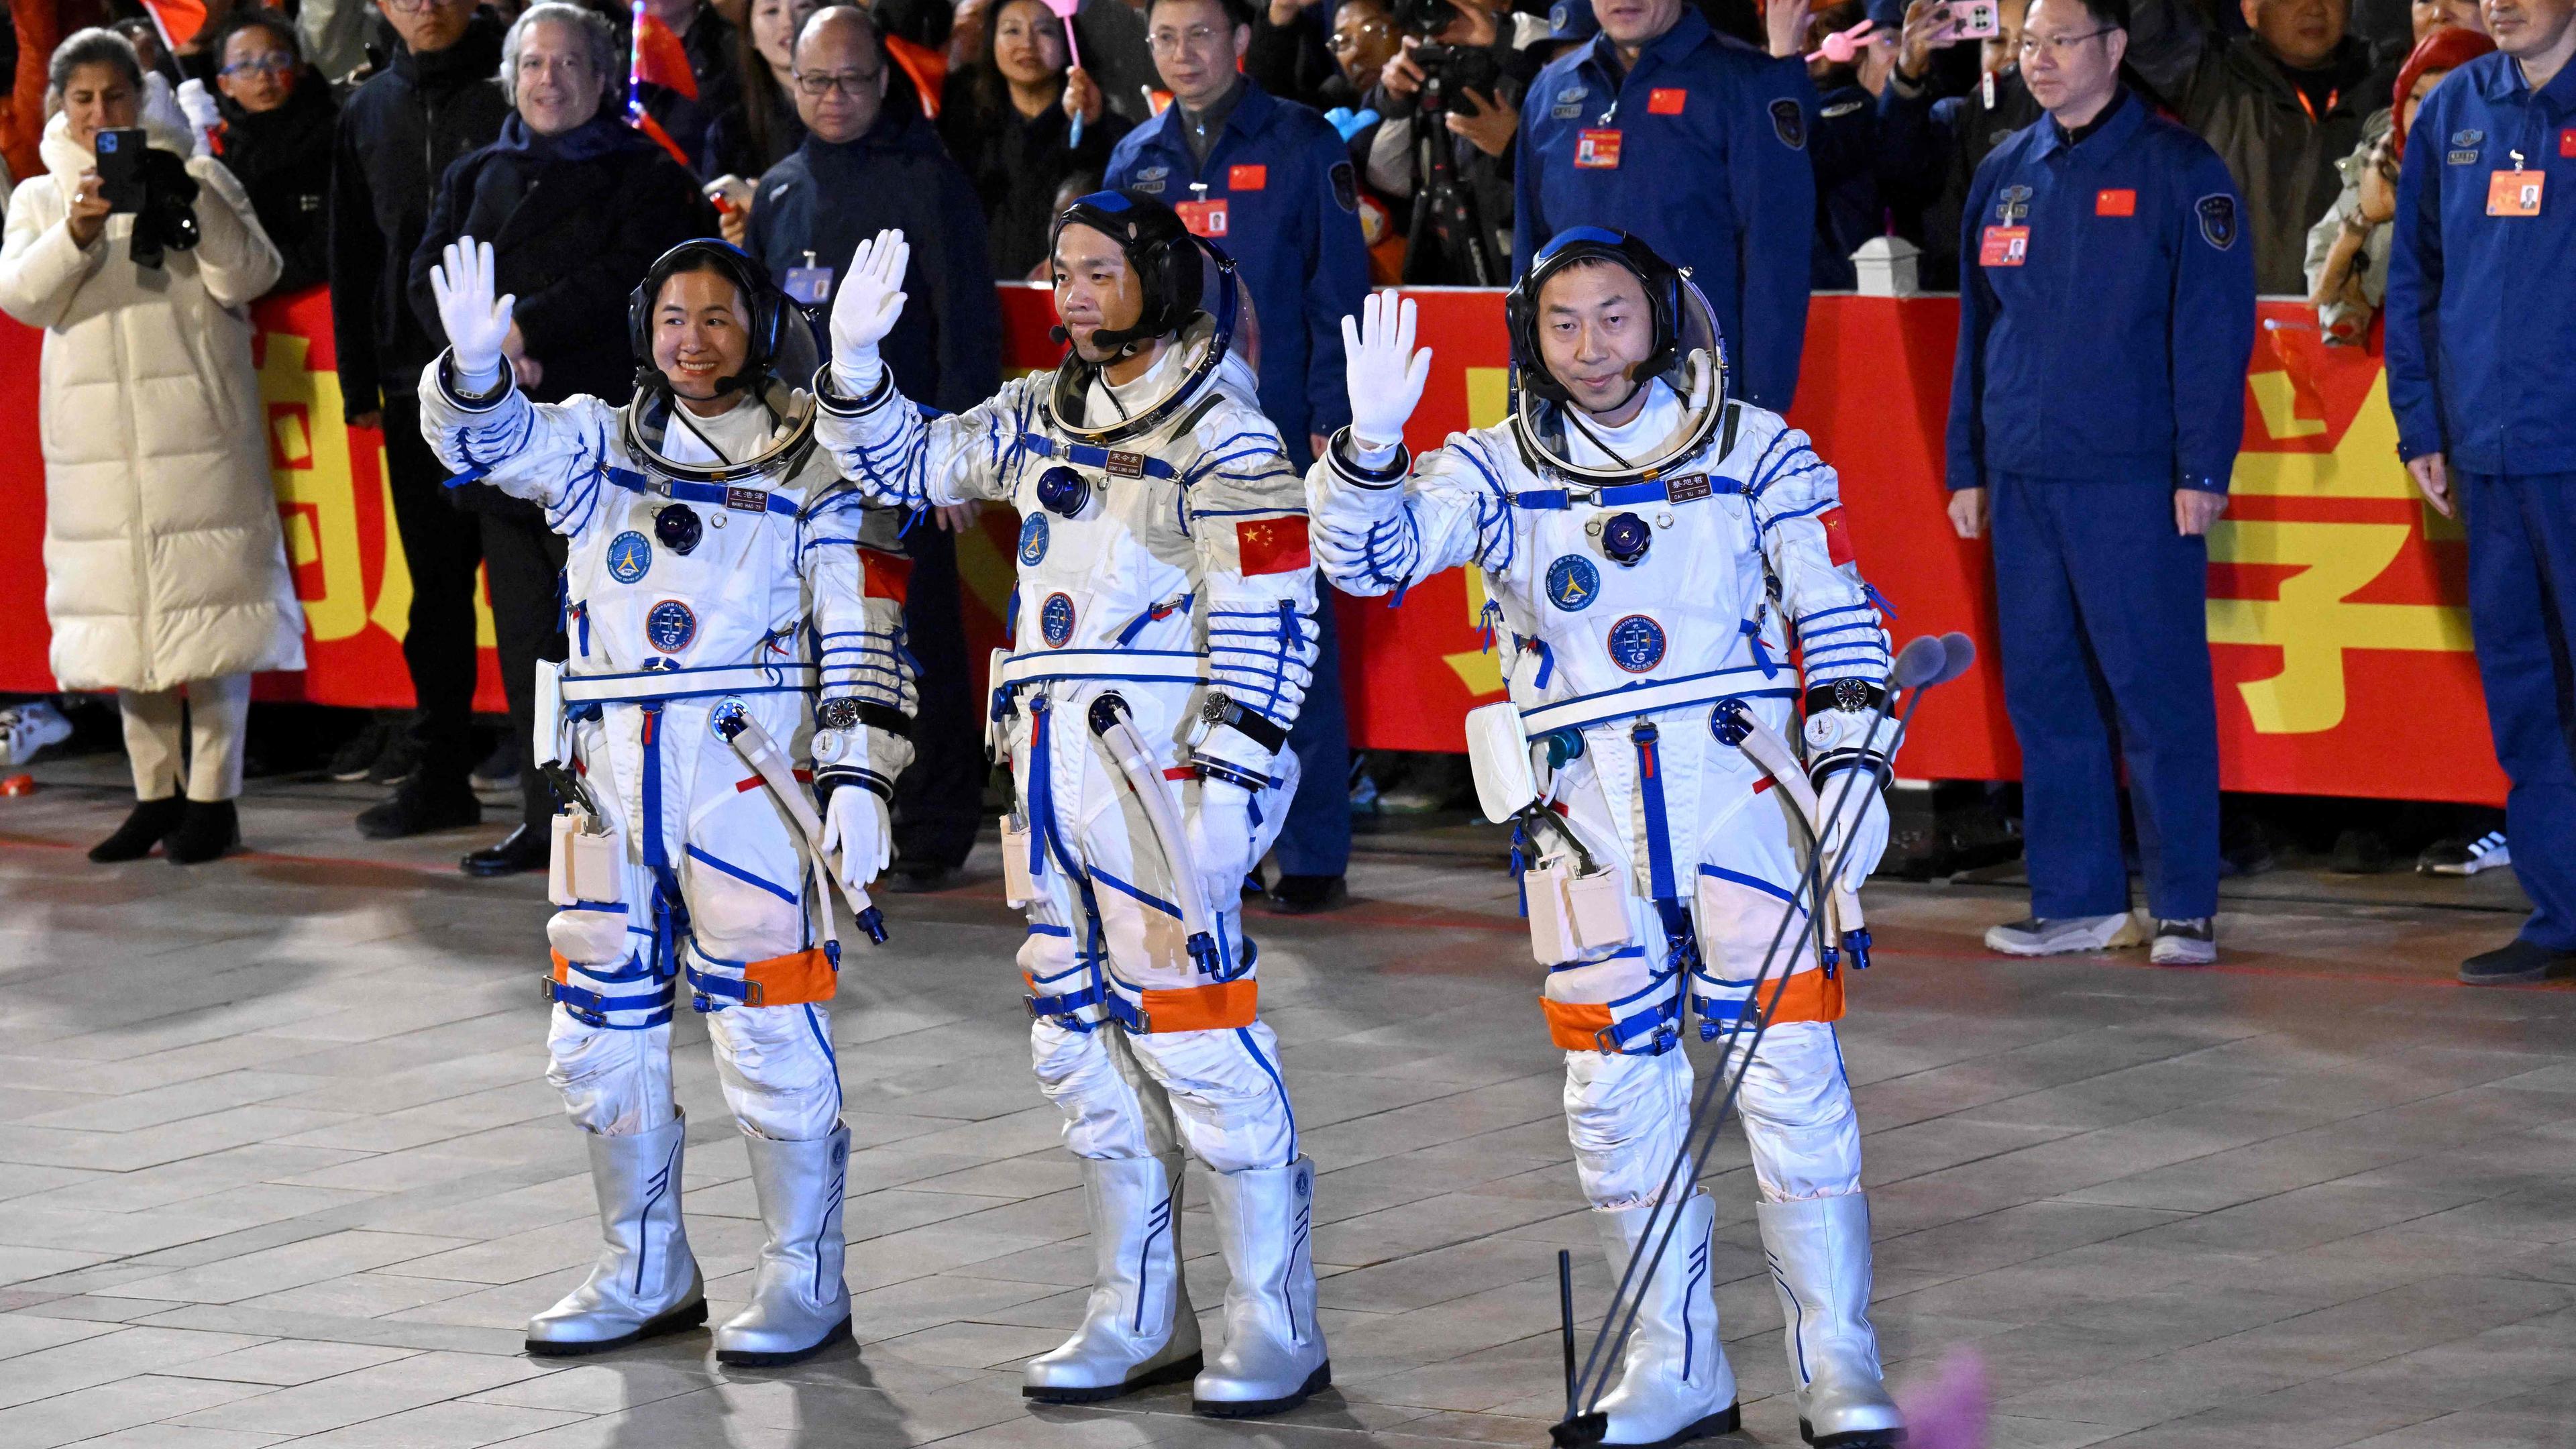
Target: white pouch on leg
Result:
[1019, 882]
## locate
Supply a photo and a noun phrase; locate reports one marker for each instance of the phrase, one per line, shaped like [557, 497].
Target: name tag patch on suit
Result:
[809, 285]
[1203, 218]
[2514, 193]
[2003, 246]
[1597, 150]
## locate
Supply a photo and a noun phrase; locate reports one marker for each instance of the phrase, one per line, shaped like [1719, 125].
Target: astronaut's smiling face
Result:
[1095, 289]
[1594, 327]
[701, 334]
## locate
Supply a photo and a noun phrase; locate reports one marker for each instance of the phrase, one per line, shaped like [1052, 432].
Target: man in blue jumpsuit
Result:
[2481, 336]
[1696, 144]
[2106, 311]
[1271, 182]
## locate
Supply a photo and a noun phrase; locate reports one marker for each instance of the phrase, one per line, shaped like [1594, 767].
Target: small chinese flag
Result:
[659, 58]
[925, 67]
[178, 20]
[1837, 536]
[886, 576]
[1272, 545]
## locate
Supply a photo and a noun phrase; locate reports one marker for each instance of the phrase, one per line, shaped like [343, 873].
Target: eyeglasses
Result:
[423, 7]
[276, 62]
[848, 82]
[1196, 38]
[2059, 46]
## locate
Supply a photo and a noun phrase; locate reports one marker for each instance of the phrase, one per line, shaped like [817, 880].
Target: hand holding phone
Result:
[120, 168]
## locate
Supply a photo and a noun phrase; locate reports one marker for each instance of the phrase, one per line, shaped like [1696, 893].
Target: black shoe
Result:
[351, 762]
[2515, 962]
[521, 849]
[146, 826]
[207, 831]
[907, 878]
[413, 810]
[1303, 895]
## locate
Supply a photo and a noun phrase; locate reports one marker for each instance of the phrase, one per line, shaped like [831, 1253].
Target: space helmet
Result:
[1688, 355]
[1191, 294]
[782, 348]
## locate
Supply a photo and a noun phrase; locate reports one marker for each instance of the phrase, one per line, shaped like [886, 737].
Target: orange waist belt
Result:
[1217, 1006]
[790, 980]
[1586, 1026]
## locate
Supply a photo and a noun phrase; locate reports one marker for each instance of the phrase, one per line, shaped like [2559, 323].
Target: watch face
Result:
[1851, 694]
[1217, 710]
[837, 714]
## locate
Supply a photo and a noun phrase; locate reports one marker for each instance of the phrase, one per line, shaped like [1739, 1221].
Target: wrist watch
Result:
[841, 713]
[1221, 709]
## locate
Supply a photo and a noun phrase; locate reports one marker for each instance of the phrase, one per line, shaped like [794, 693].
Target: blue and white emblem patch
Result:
[1055, 620]
[630, 554]
[1033, 540]
[1636, 643]
[726, 712]
[1573, 583]
[670, 626]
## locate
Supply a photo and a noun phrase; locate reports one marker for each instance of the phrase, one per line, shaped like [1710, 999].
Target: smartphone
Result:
[1976, 19]
[120, 169]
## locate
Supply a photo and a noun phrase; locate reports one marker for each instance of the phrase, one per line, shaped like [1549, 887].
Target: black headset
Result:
[769, 307]
[1166, 258]
[1663, 284]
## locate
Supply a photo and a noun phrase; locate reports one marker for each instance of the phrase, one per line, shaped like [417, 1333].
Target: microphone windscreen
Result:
[1962, 652]
[1919, 663]
[1058, 335]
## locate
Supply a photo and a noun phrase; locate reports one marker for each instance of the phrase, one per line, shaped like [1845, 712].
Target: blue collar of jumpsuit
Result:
[1658, 491]
[2127, 121]
[1249, 118]
[715, 495]
[2503, 82]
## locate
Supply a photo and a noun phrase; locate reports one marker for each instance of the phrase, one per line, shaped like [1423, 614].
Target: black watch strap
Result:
[1253, 725]
[1858, 696]
[887, 718]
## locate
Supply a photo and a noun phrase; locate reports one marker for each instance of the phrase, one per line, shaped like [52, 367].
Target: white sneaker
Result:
[2453, 857]
[2185, 943]
[2035, 936]
[30, 727]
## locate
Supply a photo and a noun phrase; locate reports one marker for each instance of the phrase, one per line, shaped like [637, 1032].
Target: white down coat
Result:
[164, 559]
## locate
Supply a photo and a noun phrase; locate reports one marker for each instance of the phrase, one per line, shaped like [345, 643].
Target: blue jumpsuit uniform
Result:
[2481, 336]
[1701, 150]
[1291, 223]
[2106, 312]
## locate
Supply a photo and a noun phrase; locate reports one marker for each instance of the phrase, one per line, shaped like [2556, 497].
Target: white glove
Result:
[1863, 819]
[475, 322]
[1221, 843]
[1384, 373]
[870, 301]
[203, 117]
[858, 834]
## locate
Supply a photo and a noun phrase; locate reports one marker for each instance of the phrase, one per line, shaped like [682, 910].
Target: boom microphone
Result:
[1963, 656]
[1919, 663]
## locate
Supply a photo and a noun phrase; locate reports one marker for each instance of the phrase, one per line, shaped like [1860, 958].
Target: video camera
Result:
[1448, 70]
[153, 187]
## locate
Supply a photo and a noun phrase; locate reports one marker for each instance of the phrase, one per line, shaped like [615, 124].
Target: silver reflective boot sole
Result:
[1274, 1348]
[799, 1303]
[1819, 1250]
[1675, 1384]
[1138, 1330]
[646, 1281]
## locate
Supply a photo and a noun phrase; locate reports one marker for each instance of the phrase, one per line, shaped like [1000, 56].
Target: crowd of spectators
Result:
[1330, 144]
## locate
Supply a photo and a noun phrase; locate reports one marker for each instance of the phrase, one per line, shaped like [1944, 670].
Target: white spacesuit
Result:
[721, 576]
[1651, 579]
[1164, 632]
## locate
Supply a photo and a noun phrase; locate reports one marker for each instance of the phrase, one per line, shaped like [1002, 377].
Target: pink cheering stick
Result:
[1064, 10]
[1839, 47]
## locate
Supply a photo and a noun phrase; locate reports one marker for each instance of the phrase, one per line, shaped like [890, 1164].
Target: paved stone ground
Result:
[278, 1164]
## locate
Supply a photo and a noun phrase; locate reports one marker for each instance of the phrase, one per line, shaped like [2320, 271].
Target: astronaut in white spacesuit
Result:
[1654, 551]
[1163, 636]
[733, 612]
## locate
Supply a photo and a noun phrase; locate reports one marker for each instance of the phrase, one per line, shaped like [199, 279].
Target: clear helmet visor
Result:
[1697, 375]
[650, 430]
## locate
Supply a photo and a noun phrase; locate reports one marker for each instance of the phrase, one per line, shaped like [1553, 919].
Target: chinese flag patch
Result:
[1272, 545]
[889, 576]
[2115, 201]
[1246, 178]
[1837, 537]
[1666, 100]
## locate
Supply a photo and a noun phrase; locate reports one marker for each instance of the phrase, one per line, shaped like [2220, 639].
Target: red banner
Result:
[2337, 600]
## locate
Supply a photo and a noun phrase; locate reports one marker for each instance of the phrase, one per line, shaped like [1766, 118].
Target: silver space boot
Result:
[1819, 1250]
[798, 1302]
[1674, 1382]
[1138, 1329]
[646, 1281]
[1274, 1348]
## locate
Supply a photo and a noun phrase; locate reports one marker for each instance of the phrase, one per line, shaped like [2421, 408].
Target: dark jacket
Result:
[1710, 168]
[1443, 256]
[711, 43]
[574, 221]
[732, 150]
[946, 349]
[1295, 61]
[397, 136]
[1017, 163]
[283, 159]
[1949, 136]
[2482, 308]
[2243, 103]
[2106, 309]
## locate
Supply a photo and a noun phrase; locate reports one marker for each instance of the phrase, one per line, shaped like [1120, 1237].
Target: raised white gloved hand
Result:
[870, 301]
[475, 321]
[1384, 373]
[1863, 818]
[1221, 843]
[203, 118]
[858, 833]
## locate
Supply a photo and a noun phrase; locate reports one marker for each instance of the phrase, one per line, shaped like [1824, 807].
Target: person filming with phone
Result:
[165, 567]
